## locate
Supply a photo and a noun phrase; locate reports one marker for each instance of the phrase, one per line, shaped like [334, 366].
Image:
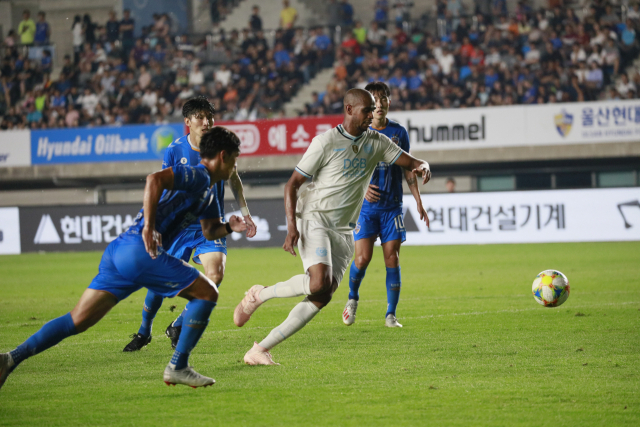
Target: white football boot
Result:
[258, 356]
[186, 376]
[392, 322]
[349, 313]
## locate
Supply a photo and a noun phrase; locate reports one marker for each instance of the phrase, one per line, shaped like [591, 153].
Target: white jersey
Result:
[341, 167]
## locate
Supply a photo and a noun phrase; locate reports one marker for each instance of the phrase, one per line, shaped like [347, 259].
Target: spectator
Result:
[89, 29]
[288, 15]
[625, 88]
[255, 21]
[381, 14]
[10, 40]
[196, 77]
[26, 29]
[347, 14]
[113, 27]
[127, 27]
[450, 184]
[43, 31]
[78, 38]
[360, 33]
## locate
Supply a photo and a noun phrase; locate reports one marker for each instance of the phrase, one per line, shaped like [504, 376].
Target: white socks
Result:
[299, 316]
[294, 287]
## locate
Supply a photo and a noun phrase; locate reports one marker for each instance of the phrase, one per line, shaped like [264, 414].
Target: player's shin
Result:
[196, 320]
[355, 279]
[301, 314]
[393, 289]
[294, 287]
[152, 304]
[49, 335]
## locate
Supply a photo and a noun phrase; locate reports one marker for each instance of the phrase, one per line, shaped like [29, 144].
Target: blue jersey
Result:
[387, 177]
[190, 199]
[181, 152]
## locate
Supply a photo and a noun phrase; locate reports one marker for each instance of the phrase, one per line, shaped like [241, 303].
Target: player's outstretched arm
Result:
[214, 228]
[156, 184]
[417, 166]
[412, 182]
[290, 201]
[238, 193]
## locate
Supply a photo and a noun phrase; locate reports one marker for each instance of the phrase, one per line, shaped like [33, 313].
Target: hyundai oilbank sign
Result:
[102, 144]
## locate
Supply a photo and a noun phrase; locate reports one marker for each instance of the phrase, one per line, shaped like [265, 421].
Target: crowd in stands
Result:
[116, 76]
[527, 56]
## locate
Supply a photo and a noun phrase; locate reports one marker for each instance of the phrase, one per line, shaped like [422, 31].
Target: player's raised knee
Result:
[362, 260]
[320, 285]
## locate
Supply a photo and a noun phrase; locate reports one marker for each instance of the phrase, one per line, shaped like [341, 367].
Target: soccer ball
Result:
[550, 288]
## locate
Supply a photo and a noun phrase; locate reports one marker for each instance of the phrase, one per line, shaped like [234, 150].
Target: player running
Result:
[340, 162]
[212, 255]
[381, 214]
[173, 199]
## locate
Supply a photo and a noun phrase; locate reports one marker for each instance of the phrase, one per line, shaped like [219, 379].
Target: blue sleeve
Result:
[169, 158]
[190, 179]
[405, 141]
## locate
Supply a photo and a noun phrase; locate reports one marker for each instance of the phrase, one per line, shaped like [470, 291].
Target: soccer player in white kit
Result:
[321, 220]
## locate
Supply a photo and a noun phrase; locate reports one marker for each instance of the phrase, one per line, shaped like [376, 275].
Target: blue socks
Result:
[152, 304]
[355, 279]
[393, 289]
[178, 322]
[196, 320]
[49, 335]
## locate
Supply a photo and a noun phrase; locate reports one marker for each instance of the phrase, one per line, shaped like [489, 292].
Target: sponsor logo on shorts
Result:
[321, 251]
[172, 285]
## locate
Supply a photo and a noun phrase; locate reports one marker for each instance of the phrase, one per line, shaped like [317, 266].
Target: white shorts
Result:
[321, 245]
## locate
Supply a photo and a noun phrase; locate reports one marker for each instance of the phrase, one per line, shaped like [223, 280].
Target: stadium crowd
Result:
[527, 56]
[523, 57]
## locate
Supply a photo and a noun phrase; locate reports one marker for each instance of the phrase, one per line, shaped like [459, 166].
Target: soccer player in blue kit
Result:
[381, 214]
[174, 198]
[212, 255]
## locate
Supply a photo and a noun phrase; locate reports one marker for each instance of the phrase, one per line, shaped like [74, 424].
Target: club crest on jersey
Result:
[183, 160]
[395, 139]
[355, 148]
[367, 149]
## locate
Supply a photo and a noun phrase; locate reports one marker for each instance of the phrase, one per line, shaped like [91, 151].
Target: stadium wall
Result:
[466, 218]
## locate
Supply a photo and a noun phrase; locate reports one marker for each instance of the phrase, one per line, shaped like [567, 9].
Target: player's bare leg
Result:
[321, 287]
[364, 252]
[391, 252]
[92, 307]
[203, 296]
[214, 265]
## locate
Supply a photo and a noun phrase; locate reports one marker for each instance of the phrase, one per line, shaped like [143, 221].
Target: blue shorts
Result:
[388, 224]
[126, 267]
[189, 240]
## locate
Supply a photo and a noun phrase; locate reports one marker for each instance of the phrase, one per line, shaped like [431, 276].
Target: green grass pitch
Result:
[475, 350]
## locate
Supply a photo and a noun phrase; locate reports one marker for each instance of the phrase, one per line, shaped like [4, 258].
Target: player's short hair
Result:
[197, 105]
[379, 88]
[219, 139]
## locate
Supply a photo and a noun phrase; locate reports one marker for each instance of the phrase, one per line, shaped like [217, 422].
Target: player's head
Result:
[219, 149]
[382, 95]
[198, 115]
[358, 109]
